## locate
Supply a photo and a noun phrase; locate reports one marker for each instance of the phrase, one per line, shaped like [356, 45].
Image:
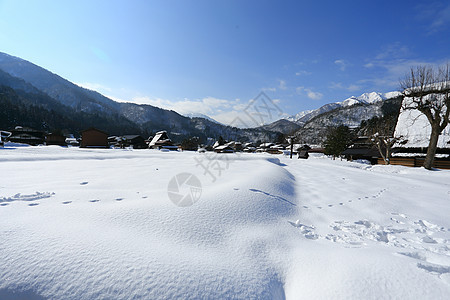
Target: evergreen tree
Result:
[338, 139]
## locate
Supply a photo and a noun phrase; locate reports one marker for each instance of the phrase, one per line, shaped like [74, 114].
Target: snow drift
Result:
[91, 224]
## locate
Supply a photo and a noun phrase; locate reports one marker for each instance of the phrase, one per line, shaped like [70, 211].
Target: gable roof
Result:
[160, 137]
[93, 129]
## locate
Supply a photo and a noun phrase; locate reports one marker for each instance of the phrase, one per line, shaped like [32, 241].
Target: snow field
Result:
[98, 224]
[106, 228]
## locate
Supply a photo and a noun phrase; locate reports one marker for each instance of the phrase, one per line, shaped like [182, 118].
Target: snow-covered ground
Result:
[99, 224]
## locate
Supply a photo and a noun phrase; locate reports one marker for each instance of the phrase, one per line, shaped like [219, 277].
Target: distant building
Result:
[223, 149]
[162, 140]
[94, 138]
[26, 135]
[133, 140]
[362, 148]
[55, 139]
[4, 137]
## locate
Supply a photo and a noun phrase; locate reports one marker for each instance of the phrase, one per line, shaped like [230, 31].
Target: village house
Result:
[94, 138]
[362, 148]
[26, 135]
[223, 149]
[162, 141]
[55, 139]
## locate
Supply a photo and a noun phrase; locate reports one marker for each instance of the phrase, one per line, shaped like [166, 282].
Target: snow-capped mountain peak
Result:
[366, 98]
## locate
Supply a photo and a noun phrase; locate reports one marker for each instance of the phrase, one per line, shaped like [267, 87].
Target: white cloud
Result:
[336, 85]
[394, 71]
[271, 89]
[393, 51]
[314, 95]
[437, 16]
[339, 85]
[342, 64]
[302, 73]
[208, 105]
[228, 112]
[309, 93]
[353, 87]
[282, 84]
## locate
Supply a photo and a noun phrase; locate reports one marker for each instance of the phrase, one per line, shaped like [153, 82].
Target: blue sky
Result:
[212, 57]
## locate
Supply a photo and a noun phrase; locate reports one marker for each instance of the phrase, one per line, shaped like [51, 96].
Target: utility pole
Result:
[291, 141]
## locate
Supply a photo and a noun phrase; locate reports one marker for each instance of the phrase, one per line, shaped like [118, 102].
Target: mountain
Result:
[199, 115]
[367, 98]
[80, 108]
[314, 131]
[283, 126]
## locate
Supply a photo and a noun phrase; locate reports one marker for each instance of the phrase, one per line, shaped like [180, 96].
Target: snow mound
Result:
[101, 233]
[103, 226]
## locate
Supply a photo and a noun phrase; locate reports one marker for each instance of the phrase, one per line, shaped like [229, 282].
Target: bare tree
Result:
[384, 145]
[428, 91]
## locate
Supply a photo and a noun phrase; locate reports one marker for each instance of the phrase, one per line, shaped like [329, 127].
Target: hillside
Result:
[314, 131]
[365, 99]
[83, 108]
[283, 126]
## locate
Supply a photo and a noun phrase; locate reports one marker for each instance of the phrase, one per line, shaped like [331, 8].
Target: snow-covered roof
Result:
[160, 137]
[414, 127]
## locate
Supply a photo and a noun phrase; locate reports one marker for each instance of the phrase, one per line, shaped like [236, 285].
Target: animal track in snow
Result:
[402, 233]
[273, 196]
[119, 199]
[350, 200]
[84, 182]
[31, 197]
[66, 202]
[94, 200]
[425, 263]
[307, 231]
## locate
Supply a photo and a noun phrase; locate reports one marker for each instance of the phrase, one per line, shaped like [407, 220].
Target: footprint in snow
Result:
[144, 197]
[340, 203]
[84, 182]
[33, 204]
[67, 202]
[304, 206]
[119, 199]
[95, 200]
[330, 205]
[4, 204]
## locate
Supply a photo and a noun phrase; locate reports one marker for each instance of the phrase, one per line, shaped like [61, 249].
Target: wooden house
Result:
[134, 140]
[26, 135]
[162, 140]
[55, 139]
[223, 149]
[362, 148]
[94, 138]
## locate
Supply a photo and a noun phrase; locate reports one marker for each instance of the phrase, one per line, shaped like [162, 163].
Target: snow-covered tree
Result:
[384, 145]
[427, 90]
